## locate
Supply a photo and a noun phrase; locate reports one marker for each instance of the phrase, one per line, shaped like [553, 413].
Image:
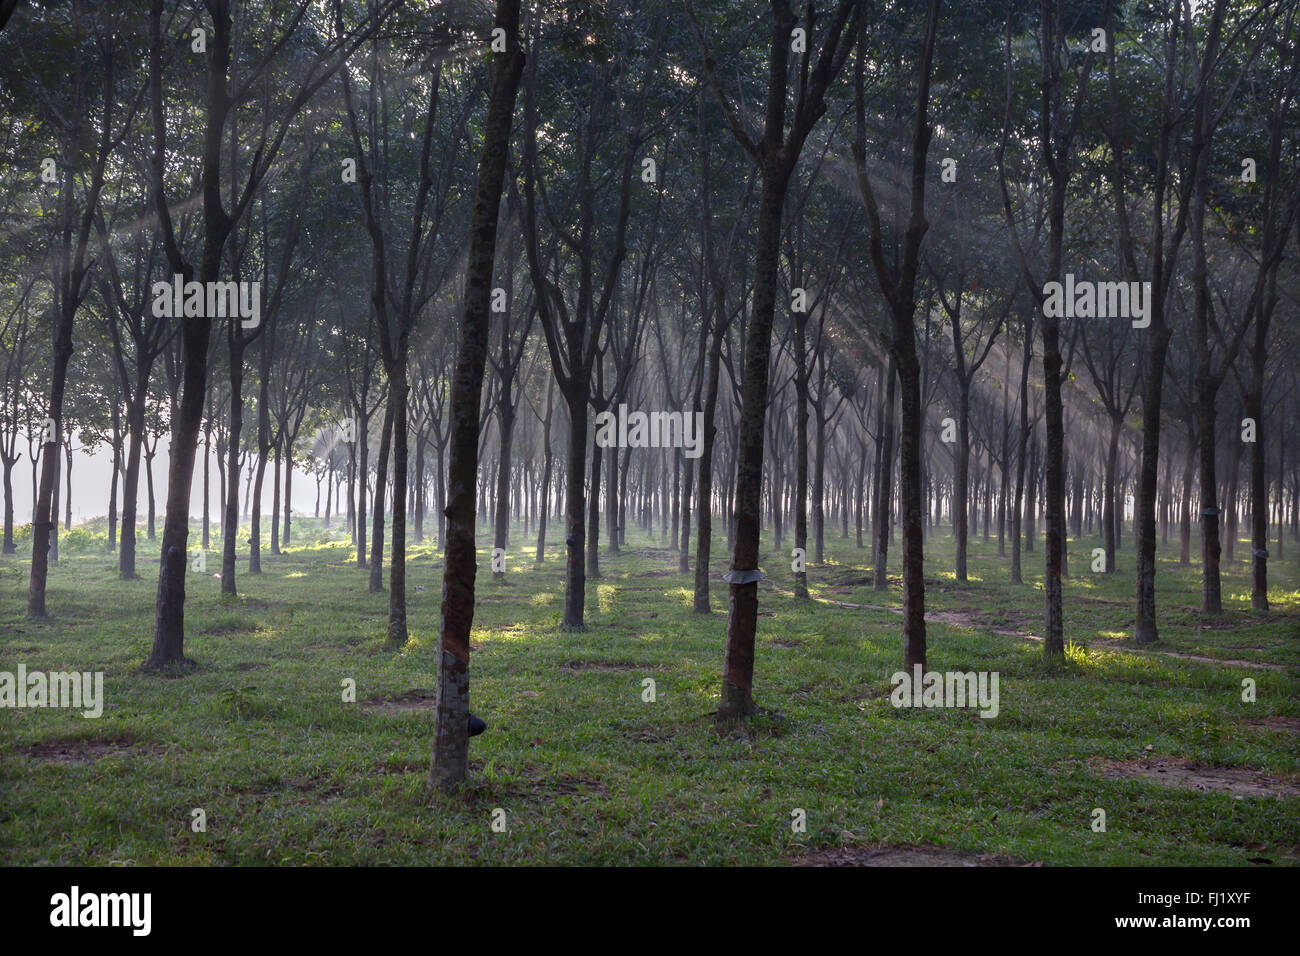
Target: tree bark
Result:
[377, 501]
[450, 749]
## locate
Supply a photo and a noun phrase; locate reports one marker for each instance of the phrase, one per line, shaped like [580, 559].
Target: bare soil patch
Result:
[962, 619]
[1222, 661]
[882, 855]
[603, 666]
[229, 627]
[294, 788]
[529, 783]
[1288, 725]
[646, 736]
[410, 702]
[1241, 782]
[70, 752]
[851, 581]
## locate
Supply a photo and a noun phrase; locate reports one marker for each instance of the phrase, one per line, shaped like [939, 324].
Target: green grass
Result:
[287, 773]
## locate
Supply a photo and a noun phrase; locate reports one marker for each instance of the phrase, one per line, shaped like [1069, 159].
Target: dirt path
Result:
[885, 855]
[958, 619]
[1174, 772]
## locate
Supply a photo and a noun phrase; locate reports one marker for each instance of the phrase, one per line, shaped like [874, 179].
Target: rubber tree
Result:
[218, 221]
[447, 767]
[898, 286]
[776, 152]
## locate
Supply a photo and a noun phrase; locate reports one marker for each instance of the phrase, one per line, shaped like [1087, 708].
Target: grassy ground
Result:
[588, 772]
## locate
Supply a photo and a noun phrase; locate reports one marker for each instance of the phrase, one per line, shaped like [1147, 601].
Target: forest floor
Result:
[586, 771]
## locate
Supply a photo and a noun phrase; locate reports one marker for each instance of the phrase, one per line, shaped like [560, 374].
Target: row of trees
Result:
[827, 234]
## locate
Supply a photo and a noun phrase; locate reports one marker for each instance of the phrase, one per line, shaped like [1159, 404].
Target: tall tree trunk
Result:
[704, 510]
[148, 475]
[207, 492]
[7, 464]
[611, 499]
[742, 619]
[362, 477]
[819, 488]
[1109, 525]
[275, 498]
[450, 742]
[1185, 523]
[961, 516]
[544, 498]
[420, 489]
[1231, 520]
[684, 555]
[169, 624]
[593, 514]
[883, 506]
[288, 492]
[1211, 588]
[575, 578]
[230, 521]
[1258, 476]
[255, 517]
[377, 501]
[800, 453]
[43, 531]
[622, 501]
[675, 503]
[54, 525]
[777, 156]
[398, 389]
[859, 497]
[116, 465]
[909, 381]
[1022, 449]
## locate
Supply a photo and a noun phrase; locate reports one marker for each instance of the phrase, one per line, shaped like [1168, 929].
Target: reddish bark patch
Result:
[883, 855]
[1239, 781]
